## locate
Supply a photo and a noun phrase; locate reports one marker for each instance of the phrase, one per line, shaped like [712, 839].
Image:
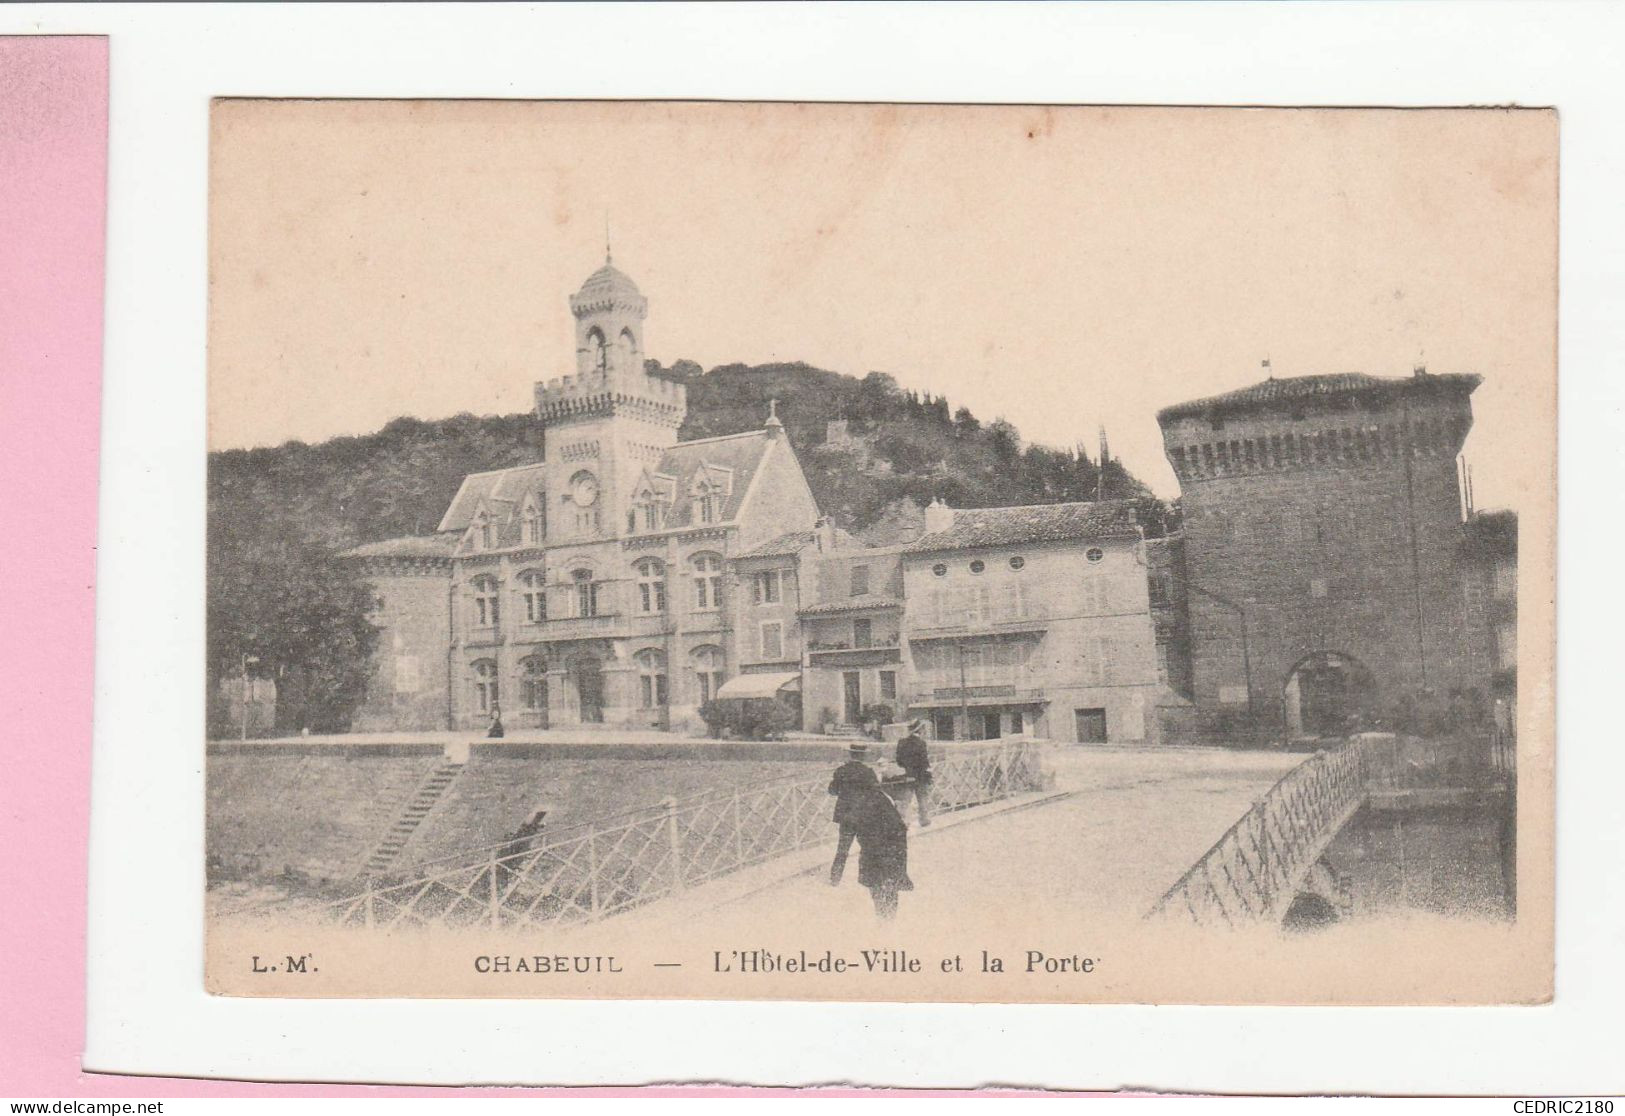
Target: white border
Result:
[147, 1011]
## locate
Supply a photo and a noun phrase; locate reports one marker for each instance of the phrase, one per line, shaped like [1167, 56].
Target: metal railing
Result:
[1252, 873]
[613, 866]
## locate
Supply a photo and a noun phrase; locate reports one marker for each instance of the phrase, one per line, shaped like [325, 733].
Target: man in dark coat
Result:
[882, 849]
[851, 779]
[915, 760]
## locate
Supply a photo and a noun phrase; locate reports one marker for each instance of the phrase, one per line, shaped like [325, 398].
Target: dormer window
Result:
[645, 515]
[705, 507]
[707, 493]
[484, 533]
[531, 525]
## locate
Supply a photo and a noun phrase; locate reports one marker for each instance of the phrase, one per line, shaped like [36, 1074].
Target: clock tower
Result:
[609, 421]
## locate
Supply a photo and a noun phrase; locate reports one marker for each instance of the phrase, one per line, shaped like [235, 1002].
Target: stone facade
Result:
[1322, 548]
[1033, 620]
[409, 686]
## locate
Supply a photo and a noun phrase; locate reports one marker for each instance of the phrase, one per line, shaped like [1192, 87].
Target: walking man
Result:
[882, 849]
[851, 780]
[915, 760]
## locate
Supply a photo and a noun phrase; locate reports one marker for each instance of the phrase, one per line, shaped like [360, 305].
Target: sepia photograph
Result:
[880, 552]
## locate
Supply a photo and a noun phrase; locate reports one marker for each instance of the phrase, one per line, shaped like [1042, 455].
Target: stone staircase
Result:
[429, 793]
[847, 732]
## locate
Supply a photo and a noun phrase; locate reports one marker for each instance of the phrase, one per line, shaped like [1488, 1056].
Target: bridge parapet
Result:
[1253, 872]
[617, 864]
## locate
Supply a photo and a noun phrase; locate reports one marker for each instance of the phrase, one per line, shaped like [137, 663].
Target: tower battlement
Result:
[597, 394]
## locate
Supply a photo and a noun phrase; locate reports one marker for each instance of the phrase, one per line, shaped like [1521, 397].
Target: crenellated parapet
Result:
[1336, 422]
[599, 395]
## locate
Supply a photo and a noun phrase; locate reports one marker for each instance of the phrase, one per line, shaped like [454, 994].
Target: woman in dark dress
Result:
[882, 849]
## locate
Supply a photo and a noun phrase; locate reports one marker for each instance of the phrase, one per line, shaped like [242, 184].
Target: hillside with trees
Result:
[277, 515]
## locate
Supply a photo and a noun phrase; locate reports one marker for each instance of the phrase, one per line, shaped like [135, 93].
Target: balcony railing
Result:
[1022, 617]
[855, 656]
[885, 647]
[572, 627]
[997, 693]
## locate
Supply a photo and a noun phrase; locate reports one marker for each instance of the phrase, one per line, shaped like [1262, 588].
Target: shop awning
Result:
[761, 685]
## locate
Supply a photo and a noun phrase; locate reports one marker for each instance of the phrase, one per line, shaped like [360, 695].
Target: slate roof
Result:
[740, 453]
[781, 547]
[1287, 390]
[501, 489]
[411, 546]
[793, 542]
[977, 527]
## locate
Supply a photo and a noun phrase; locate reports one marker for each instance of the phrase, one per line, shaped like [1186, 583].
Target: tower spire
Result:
[609, 257]
[1100, 473]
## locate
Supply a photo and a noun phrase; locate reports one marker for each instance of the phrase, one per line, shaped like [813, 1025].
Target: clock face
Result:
[586, 490]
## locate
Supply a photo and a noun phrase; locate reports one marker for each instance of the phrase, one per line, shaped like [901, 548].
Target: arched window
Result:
[597, 351]
[707, 581]
[586, 592]
[533, 683]
[486, 695]
[533, 594]
[487, 602]
[707, 663]
[651, 666]
[651, 585]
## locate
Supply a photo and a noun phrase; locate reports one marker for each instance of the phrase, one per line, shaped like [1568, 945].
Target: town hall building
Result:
[596, 585]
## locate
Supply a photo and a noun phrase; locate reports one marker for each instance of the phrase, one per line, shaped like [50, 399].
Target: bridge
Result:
[1025, 831]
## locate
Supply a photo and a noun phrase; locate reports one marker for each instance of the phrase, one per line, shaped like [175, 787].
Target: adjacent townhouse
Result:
[1032, 619]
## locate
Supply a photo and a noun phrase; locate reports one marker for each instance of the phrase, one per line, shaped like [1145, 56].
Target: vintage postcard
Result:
[880, 552]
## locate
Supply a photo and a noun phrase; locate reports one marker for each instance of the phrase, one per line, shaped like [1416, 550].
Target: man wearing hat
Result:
[915, 759]
[849, 784]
